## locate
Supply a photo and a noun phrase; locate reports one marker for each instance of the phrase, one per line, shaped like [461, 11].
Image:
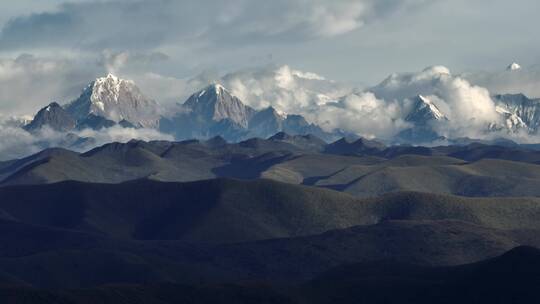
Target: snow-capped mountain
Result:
[423, 111]
[520, 112]
[517, 113]
[214, 111]
[106, 102]
[116, 100]
[513, 67]
[215, 103]
[53, 116]
[210, 112]
[424, 117]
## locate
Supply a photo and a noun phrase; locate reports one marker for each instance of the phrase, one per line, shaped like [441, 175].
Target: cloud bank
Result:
[286, 89]
[469, 108]
[374, 112]
[15, 142]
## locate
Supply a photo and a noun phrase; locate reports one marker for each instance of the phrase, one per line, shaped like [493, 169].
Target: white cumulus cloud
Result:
[469, 108]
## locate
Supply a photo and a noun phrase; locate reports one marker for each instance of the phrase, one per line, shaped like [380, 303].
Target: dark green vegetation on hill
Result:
[80, 234]
[193, 222]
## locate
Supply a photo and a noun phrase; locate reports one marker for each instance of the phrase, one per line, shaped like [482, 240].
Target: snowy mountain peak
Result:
[213, 89]
[109, 76]
[423, 110]
[432, 107]
[513, 67]
[115, 99]
[216, 103]
[211, 93]
[218, 88]
[111, 83]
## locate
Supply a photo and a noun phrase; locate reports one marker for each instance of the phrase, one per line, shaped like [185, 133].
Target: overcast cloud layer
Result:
[322, 59]
[146, 24]
[49, 49]
[15, 142]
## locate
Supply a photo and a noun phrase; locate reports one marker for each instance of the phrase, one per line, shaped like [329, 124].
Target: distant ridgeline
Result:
[110, 101]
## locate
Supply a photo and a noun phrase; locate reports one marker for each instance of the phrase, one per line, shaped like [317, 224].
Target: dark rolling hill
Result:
[282, 220]
[431, 174]
[234, 239]
[60, 258]
[228, 210]
[508, 278]
[362, 168]
[214, 210]
[167, 161]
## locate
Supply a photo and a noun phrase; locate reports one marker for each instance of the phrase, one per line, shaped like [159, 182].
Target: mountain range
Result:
[213, 111]
[517, 113]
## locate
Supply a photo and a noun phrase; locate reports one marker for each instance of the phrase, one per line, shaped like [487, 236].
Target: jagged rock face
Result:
[115, 99]
[215, 112]
[512, 122]
[208, 113]
[519, 111]
[215, 103]
[54, 117]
